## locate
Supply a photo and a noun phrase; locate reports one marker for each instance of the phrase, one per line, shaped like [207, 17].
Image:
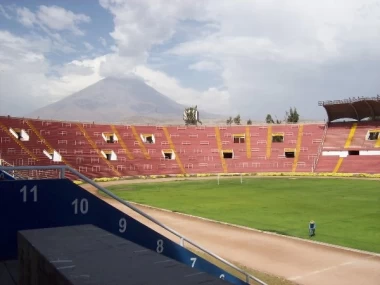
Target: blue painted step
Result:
[32, 204]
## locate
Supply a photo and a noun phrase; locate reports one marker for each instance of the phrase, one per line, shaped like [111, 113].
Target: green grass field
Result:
[347, 212]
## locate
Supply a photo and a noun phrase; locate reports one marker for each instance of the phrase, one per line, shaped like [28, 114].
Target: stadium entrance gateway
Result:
[148, 138]
[228, 153]
[372, 135]
[110, 137]
[109, 154]
[168, 154]
[239, 138]
[277, 137]
[19, 134]
[289, 152]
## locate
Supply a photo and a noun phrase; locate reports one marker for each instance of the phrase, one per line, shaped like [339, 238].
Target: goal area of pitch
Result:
[234, 178]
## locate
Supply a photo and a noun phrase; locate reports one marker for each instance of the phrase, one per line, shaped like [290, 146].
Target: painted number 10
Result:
[24, 193]
[80, 206]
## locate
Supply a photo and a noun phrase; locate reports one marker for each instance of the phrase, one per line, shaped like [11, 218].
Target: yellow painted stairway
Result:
[49, 147]
[18, 142]
[97, 150]
[346, 145]
[248, 142]
[169, 139]
[219, 143]
[269, 142]
[351, 135]
[298, 148]
[141, 144]
[123, 145]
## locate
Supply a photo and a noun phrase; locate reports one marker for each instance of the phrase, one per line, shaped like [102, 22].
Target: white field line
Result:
[329, 268]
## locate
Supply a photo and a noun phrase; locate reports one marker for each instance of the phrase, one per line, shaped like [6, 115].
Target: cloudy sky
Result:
[249, 57]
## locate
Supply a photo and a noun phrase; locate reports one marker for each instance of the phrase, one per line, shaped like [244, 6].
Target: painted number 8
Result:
[160, 246]
[122, 225]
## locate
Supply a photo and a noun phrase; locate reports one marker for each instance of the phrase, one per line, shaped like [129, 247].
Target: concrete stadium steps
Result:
[360, 164]
[155, 150]
[336, 136]
[311, 141]
[104, 251]
[36, 204]
[197, 148]
[359, 141]
[327, 163]
[21, 152]
[67, 139]
[258, 141]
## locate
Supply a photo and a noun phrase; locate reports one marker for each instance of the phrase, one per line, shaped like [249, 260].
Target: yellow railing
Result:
[219, 143]
[248, 142]
[18, 142]
[141, 144]
[121, 141]
[298, 148]
[90, 141]
[169, 139]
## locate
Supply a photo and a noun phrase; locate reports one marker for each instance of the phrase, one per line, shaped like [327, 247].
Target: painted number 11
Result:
[24, 193]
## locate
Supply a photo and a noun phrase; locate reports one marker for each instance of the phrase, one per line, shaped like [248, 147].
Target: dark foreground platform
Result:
[9, 272]
[89, 255]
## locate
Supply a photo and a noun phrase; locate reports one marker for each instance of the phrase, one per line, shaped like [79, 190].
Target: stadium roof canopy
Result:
[354, 108]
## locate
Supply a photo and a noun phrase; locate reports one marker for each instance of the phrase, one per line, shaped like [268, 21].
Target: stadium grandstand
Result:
[32, 150]
[102, 150]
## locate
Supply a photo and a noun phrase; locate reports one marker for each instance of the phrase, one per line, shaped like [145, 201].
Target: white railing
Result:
[320, 148]
[62, 169]
[14, 173]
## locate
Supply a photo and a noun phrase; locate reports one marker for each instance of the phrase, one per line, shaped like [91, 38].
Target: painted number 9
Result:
[122, 225]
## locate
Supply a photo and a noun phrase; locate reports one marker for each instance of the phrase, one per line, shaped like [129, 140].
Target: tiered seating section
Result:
[348, 149]
[99, 150]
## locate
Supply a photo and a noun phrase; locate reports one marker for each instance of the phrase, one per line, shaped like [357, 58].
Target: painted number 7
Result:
[193, 259]
[24, 192]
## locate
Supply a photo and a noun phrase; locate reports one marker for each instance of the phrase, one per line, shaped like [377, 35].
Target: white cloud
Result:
[4, 13]
[88, 46]
[26, 77]
[59, 19]
[267, 53]
[139, 24]
[274, 53]
[103, 41]
[172, 88]
[26, 17]
[74, 76]
[204, 66]
[53, 18]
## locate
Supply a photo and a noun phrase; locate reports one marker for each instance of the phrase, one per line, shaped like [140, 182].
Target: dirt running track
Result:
[300, 261]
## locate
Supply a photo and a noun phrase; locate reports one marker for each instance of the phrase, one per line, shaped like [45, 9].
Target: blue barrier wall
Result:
[32, 204]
